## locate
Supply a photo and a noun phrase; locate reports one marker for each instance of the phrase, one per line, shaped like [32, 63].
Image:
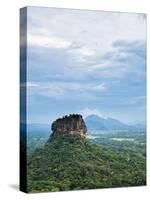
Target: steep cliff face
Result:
[72, 124]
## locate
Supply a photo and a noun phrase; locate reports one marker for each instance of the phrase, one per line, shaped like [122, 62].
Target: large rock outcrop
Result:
[72, 124]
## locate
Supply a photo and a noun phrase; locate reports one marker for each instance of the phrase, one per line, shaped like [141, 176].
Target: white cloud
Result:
[94, 35]
[69, 90]
[47, 42]
[100, 87]
[29, 84]
[84, 51]
[78, 48]
[88, 111]
[85, 42]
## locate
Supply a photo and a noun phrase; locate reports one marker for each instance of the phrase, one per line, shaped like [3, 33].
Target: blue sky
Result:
[86, 62]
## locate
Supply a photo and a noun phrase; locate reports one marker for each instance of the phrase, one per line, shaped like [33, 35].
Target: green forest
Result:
[69, 162]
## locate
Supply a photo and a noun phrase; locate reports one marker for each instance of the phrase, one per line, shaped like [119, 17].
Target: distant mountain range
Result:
[39, 127]
[34, 129]
[95, 122]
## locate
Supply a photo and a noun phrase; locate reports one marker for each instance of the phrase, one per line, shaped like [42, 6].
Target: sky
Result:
[86, 62]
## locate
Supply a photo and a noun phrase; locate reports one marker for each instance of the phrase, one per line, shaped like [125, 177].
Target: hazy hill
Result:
[95, 122]
[39, 128]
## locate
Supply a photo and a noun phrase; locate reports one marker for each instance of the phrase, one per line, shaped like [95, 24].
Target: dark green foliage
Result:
[70, 163]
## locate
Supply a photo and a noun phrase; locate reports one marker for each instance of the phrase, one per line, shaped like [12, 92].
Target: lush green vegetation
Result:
[120, 140]
[72, 163]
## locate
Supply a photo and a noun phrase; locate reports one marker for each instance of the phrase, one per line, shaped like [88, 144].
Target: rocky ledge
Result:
[72, 124]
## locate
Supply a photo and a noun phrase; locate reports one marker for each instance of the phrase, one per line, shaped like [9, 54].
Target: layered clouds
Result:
[86, 60]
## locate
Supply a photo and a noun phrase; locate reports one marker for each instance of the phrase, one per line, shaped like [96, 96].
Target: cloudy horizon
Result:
[87, 62]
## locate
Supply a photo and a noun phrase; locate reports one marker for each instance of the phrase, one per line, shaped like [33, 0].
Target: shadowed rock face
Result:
[72, 124]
